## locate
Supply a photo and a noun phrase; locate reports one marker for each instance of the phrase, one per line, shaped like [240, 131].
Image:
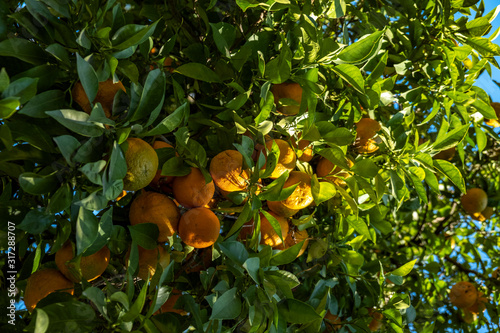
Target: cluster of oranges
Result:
[465, 296]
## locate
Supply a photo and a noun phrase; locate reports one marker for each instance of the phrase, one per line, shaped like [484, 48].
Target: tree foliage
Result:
[199, 74]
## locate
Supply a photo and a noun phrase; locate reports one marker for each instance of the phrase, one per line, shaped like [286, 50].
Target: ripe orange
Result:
[376, 322]
[44, 282]
[149, 259]
[290, 91]
[286, 160]
[280, 209]
[332, 322]
[447, 154]
[105, 95]
[268, 235]
[168, 306]
[331, 172]
[158, 179]
[302, 195]
[199, 227]
[484, 215]
[192, 191]
[463, 294]
[304, 146]
[142, 164]
[474, 201]
[295, 237]
[479, 305]
[157, 208]
[226, 169]
[494, 122]
[91, 267]
[366, 130]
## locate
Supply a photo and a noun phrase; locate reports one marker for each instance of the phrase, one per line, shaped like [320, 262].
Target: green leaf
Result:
[87, 228]
[23, 50]
[485, 109]
[337, 9]
[451, 172]
[336, 156]
[8, 106]
[36, 221]
[227, 306]
[23, 88]
[352, 75]
[45, 101]
[68, 316]
[274, 223]
[224, 35]
[88, 77]
[286, 256]
[278, 70]
[132, 35]
[198, 72]
[94, 201]
[366, 168]
[60, 200]
[170, 122]
[145, 235]
[451, 139]
[152, 98]
[117, 165]
[252, 266]
[175, 167]
[76, 121]
[481, 139]
[4, 80]
[37, 184]
[362, 50]
[136, 308]
[405, 269]
[297, 312]
[322, 191]
[235, 251]
[359, 225]
[484, 46]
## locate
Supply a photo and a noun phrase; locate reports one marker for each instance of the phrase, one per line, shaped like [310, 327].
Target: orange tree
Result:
[384, 91]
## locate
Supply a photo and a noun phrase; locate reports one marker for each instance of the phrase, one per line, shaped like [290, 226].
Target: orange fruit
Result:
[290, 91]
[484, 215]
[494, 122]
[226, 169]
[331, 172]
[42, 283]
[301, 197]
[168, 306]
[192, 191]
[295, 237]
[149, 260]
[479, 305]
[280, 209]
[332, 322]
[91, 267]
[286, 160]
[105, 95]
[246, 231]
[366, 130]
[199, 227]
[157, 208]
[376, 322]
[304, 146]
[158, 179]
[463, 294]
[474, 201]
[167, 64]
[446, 154]
[268, 235]
[142, 164]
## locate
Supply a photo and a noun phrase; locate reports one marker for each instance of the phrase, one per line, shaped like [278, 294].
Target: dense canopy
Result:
[246, 166]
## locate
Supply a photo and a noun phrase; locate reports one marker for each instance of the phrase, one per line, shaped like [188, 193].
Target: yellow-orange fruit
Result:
[42, 283]
[157, 208]
[366, 130]
[302, 195]
[286, 160]
[479, 305]
[474, 201]
[199, 227]
[331, 172]
[142, 164]
[290, 91]
[149, 259]
[376, 322]
[295, 237]
[91, 267]
[280, 209]
[304, 146]
[226, 169]
[332, 322]
[494, 122]
[484, 215]
[192, 191]
[105, 95]
[267, 232]
[463, 294]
